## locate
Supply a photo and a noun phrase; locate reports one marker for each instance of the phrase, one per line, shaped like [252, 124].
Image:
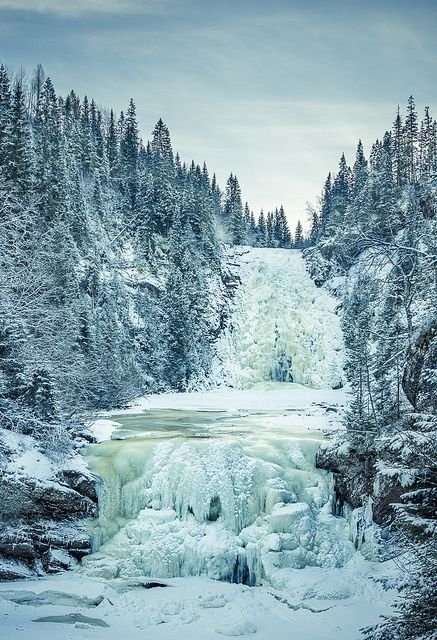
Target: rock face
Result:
[354, 481]
[355, 474]
[43, 509]
[420, 375]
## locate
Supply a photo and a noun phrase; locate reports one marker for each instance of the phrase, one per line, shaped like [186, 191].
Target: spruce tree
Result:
[298, 235]
[112, 145]
[50, 168]
[36, 89]
[261, 230]
[233, 211]
[398, 151]
[270, 230]
[129, 151]
[19, 165]
[359, 171]
[5, 116]
[164, 194]
[411, 140]
[216, 197]
[315, 225]
[326, 206]
[285, 235]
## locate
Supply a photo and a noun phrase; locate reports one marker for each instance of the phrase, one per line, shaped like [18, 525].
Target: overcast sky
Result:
[272, 90]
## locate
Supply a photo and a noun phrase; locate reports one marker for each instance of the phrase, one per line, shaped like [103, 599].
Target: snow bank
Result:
[320, 603]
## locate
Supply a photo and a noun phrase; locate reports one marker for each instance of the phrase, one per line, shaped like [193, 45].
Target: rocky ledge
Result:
[358, 472]
[44, 504]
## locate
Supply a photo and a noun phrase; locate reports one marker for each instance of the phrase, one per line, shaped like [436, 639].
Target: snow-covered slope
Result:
[282, 326]
[45, 498]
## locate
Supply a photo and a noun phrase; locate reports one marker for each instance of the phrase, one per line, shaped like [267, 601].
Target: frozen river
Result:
[233, 495]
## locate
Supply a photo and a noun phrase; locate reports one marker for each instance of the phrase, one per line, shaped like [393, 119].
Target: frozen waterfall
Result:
[283, 328]
[233, 494]
[234, 497]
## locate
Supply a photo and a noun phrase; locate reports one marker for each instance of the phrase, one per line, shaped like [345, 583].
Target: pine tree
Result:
[185, 304]
[19, 166]
[36, 89]
[411, 140]
[285, 235]
[164, 195]
[42, 396]
[277, 229]
[161, 143]
[233, 211]
[262, 230]
[426, 145]
[112, 146]
[359, 171]
[49, 174]
[270, 231]
[340, 194]
[216, 197]
[326, 206]
[252, 229]
[298, 235]
[85, 133]
[398, 151]
[129, 150]
[315, 225]
[5, 116]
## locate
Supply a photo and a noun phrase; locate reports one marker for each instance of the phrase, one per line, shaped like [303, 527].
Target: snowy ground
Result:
[322, 605]
[263, 396]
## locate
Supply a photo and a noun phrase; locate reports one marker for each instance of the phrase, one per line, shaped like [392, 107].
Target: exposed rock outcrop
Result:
[355, 475]
[43, 508]
[419, 381]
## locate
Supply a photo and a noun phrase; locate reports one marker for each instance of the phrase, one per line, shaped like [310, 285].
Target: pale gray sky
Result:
[273, 92]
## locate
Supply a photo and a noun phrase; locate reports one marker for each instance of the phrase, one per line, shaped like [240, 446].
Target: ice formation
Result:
[231, 497]
[238, 499]
[283, 327]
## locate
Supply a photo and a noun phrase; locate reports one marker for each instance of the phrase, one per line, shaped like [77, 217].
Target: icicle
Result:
[233, 510]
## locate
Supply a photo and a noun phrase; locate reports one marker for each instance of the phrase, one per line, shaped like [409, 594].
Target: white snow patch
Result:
[264, 396]
[102, 429]
[326, 604]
